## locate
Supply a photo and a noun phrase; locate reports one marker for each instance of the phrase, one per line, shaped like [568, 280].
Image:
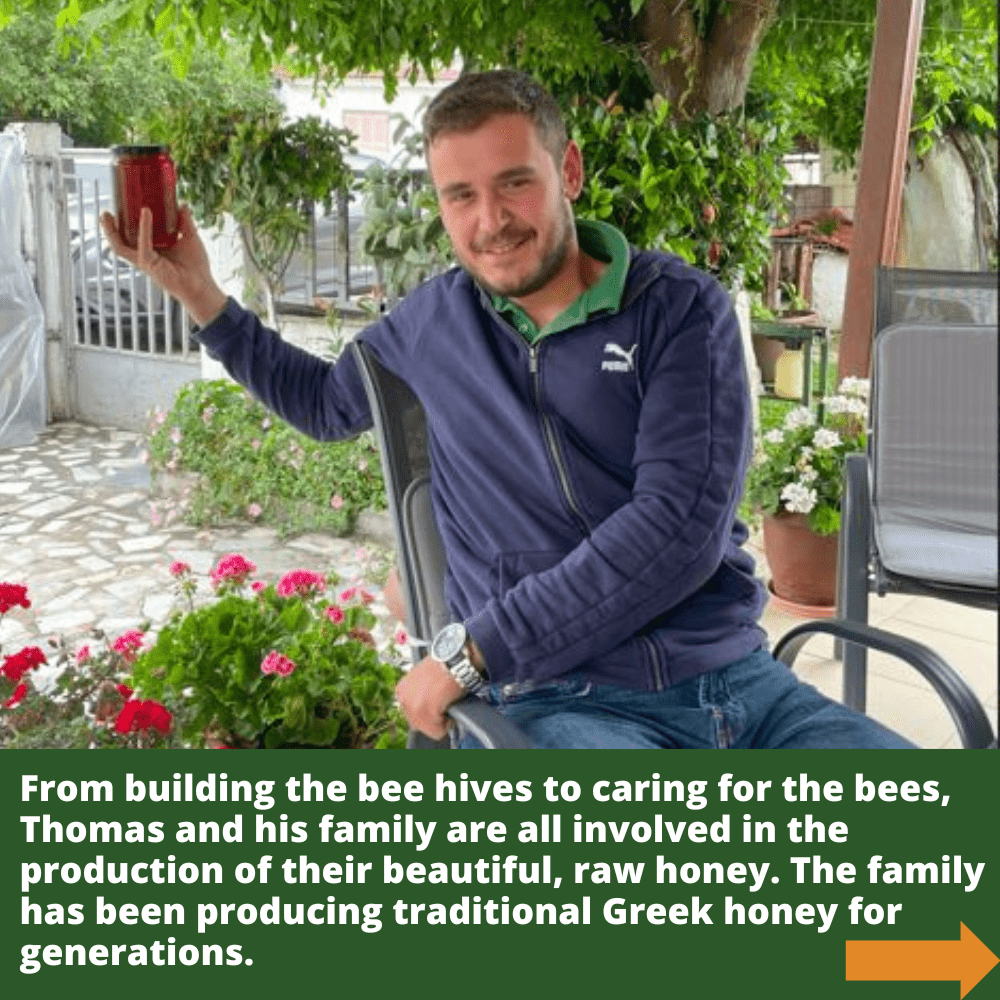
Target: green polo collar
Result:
[602, 242]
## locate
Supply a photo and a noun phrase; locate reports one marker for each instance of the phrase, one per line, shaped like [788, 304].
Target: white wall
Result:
[359, 104]
[829, 287]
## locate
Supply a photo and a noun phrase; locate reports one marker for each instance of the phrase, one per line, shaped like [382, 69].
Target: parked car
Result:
[110, 293]
[318, 265]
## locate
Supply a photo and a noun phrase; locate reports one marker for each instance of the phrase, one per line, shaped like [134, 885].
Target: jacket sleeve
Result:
[692, 449]
[323, 399]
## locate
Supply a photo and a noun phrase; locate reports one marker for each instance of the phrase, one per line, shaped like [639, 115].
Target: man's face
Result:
[504, 203]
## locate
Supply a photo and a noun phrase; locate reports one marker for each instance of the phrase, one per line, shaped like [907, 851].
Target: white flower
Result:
[774, 437]
[801, 416]
[825, 438]
[807, 474]
[798, 499]
[854, 387]
[846, 404]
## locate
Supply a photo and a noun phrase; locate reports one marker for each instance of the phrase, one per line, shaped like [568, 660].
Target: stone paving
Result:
[77, 527]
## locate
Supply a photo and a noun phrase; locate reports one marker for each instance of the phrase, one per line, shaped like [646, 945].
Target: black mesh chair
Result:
[401, 432]
[919, 513]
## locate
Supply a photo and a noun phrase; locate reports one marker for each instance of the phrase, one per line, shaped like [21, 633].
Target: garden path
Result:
[77, 527]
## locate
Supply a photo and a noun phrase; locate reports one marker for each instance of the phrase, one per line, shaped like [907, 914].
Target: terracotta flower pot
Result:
[766, 351]
[803, 564]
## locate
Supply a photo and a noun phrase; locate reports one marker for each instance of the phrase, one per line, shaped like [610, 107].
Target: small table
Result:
[796, 336]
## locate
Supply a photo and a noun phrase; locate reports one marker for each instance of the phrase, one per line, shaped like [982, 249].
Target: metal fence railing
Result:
[117, 308]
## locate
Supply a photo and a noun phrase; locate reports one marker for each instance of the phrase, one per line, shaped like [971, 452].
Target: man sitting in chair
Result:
[589, 426]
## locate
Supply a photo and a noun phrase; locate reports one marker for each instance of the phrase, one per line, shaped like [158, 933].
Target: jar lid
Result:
[139, 150]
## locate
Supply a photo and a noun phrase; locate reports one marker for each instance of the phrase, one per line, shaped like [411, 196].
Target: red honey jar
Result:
[145, 176]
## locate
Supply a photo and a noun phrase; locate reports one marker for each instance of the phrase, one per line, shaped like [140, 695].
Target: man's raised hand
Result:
[182, 270]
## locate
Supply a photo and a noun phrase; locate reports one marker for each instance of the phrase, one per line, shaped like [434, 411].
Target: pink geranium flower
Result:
[346, 596]
[257, 586]
[128, 645]
[336, 501]
[179, 568]
[82, 655]
[254, 510]
[400, 638]
[276, 663]
[233, 567]
[335, 614]
[300, 581]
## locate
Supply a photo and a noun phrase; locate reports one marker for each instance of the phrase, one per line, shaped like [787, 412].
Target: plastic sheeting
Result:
[22, 322]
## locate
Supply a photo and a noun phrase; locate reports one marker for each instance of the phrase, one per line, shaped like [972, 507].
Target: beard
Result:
[551, 263]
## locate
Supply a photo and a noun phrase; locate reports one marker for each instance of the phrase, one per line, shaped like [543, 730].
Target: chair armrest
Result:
[966, 711]
[485, 723]
[488, 726]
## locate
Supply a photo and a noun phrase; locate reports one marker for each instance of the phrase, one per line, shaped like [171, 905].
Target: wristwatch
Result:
[450, 646]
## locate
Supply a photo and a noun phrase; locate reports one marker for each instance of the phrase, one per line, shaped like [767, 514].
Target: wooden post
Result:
[881, 174]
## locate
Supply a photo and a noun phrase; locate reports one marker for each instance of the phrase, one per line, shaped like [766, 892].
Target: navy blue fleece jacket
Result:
[585, 487]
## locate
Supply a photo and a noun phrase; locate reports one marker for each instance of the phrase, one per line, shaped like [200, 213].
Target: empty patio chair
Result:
[920, 508]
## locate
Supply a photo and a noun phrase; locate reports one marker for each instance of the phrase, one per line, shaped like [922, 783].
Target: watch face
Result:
[449, 642]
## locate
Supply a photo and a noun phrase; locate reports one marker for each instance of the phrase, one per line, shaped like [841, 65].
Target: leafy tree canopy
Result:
[120, 95]
[697, 53]
[815, 61]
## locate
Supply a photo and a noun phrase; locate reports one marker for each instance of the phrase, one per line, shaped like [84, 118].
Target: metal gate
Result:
[130, 346]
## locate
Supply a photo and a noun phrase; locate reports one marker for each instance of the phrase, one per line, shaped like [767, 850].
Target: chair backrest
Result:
[406, 470]
[401, 430]
[911, 295]
[934, 442]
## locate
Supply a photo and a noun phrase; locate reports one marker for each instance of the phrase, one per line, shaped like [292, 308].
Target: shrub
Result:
[251, 464]
[289, 663]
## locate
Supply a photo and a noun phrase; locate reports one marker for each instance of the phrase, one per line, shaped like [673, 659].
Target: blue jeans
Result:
[754, 703]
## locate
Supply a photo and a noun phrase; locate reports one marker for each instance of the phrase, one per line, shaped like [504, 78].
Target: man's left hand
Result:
[425, 693]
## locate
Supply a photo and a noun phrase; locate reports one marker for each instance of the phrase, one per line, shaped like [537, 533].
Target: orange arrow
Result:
[966, 960]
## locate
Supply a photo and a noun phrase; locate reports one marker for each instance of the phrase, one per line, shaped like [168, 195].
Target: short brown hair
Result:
[476, 97]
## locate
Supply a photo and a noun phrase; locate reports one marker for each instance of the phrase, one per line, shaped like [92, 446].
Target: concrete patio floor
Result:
[897, 696]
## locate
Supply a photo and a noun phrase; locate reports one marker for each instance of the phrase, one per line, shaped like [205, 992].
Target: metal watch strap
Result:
[466, 674]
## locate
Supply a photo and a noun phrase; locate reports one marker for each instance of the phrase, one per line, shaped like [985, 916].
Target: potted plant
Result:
[80, 702]
[796, 484]
[280, 665]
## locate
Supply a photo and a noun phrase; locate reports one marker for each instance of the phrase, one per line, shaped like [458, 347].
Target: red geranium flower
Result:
[19, 692]
[13, 595]
[17, 665]
[138, 716]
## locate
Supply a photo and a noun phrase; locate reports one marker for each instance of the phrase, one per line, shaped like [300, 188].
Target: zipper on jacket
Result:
[552, 444]
[654, 657]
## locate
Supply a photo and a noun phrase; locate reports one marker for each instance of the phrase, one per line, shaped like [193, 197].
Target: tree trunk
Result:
[949, 210]
[706, 73]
